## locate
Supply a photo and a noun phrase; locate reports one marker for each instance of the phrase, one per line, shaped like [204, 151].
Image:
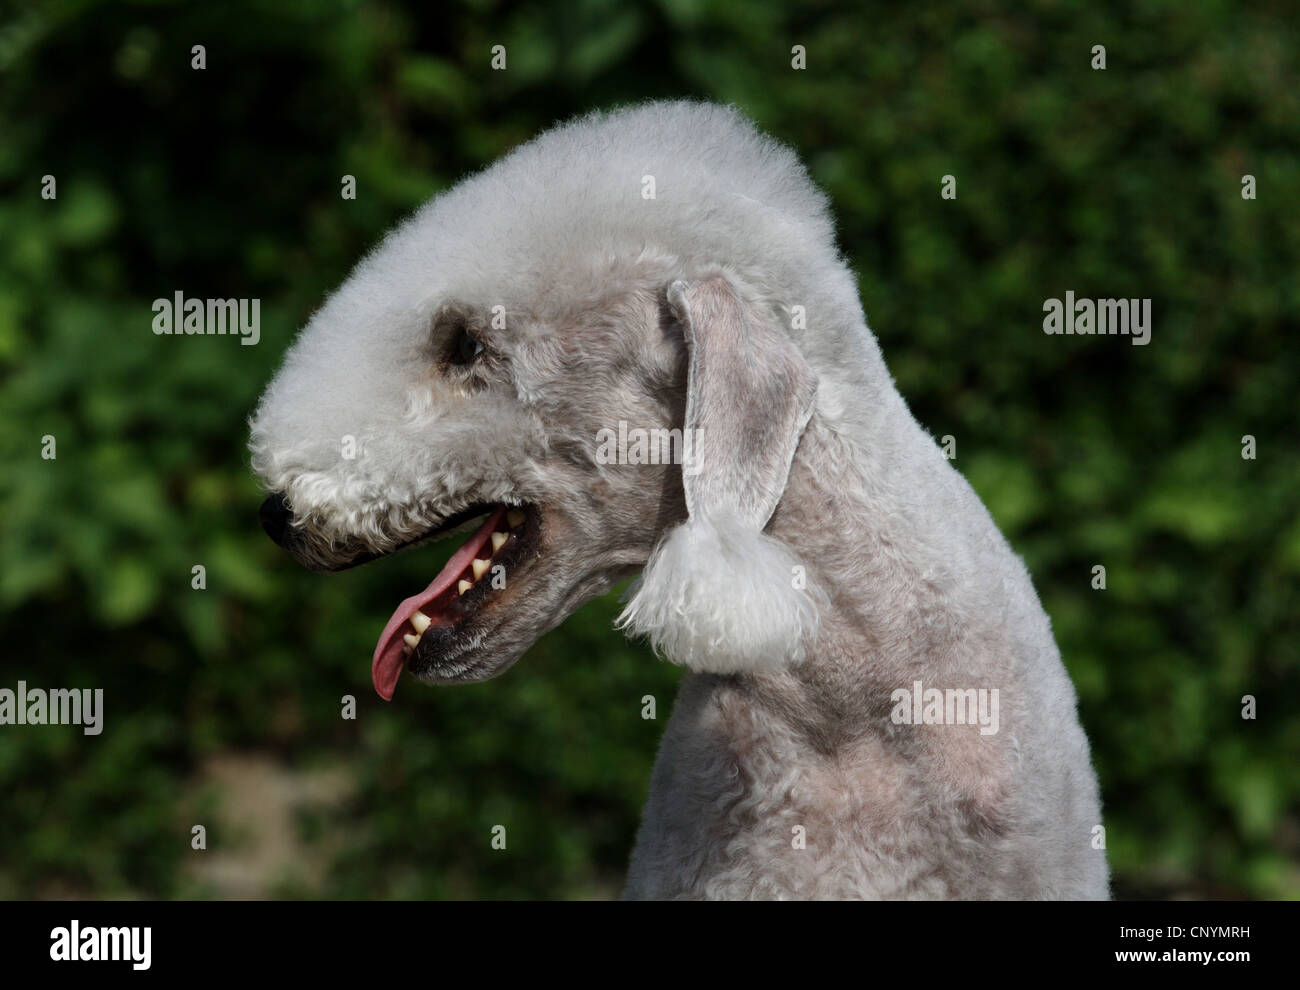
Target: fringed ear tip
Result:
[721, 597]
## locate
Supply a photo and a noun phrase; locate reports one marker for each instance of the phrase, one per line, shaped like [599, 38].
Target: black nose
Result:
[274, 515]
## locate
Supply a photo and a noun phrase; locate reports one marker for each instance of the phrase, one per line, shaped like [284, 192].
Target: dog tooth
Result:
[464, 586]
[515, 518]
[498, 541]
[420, 621]
[411, 641]
[479, 567]
[407, 651]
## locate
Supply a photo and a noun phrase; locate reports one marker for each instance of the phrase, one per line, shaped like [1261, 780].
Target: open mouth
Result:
[470, 579]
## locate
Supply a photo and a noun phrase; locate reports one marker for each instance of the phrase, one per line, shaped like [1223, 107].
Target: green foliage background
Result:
[225, 183]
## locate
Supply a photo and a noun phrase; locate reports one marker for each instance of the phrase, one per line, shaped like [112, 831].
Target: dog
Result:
[874, 705]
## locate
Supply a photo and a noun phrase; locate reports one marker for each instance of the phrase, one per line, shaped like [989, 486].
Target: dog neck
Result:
[847, 507]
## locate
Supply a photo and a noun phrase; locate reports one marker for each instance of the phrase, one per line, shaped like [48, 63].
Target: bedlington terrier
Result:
[631, 347]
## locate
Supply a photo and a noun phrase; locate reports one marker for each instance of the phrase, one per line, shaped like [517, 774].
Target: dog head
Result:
[590, 356]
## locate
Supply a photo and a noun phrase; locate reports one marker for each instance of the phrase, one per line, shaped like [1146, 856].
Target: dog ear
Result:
[718, 594]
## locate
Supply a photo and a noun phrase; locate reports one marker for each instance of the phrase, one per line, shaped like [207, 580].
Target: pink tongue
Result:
[389, 660]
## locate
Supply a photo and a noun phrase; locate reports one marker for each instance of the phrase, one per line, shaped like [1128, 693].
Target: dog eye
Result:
[465, 348]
